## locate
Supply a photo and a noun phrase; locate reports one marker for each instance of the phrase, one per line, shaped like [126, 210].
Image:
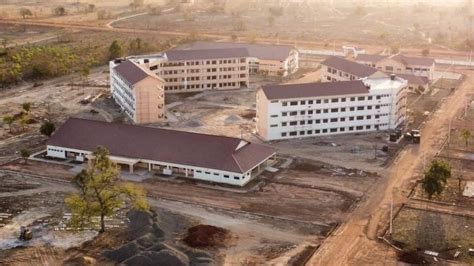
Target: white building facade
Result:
[224, 160]
[319, 109]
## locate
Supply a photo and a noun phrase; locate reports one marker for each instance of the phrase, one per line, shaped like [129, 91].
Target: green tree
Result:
[24, 121]
[115, 50]
[436, 177]
[100, 192]
[26, 107]
[59, 11]
[9, 120]
[271, 20]
[425, 52]
[90, 8]
[25, 12]
[466, 135]
[25, 154]
[47, 128]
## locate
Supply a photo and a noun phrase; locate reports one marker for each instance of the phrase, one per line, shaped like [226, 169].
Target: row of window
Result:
[217, 174]
[200, 86]
[333, 100]
[331, 110]
[331, 130]
[328, 120]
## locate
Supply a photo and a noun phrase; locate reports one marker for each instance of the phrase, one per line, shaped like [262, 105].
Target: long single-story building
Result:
[213, 158]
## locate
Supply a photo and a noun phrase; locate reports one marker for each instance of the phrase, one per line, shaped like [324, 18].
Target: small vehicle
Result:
[413, 136]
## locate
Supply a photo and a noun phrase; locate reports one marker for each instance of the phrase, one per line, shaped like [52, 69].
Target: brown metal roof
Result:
[351, 67]
[201, 54]
[260, 51]
[412, 60]
[316, 89]
[163, 145]
[374, 58]
[416, 80]
[131, 72]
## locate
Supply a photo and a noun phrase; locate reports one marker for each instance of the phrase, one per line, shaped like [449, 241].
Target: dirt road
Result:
[356, 241]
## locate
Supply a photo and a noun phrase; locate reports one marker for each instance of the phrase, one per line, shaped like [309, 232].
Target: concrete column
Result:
[186, 172]
[149, 167]
[131, 168]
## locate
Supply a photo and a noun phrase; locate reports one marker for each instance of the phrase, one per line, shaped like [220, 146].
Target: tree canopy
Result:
[100, 193]
[436, 177]
[115, 50]
[47, 128]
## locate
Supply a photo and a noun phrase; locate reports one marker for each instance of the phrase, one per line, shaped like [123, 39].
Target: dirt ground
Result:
[434, 231]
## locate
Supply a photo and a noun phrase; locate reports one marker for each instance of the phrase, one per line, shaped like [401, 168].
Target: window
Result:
[335, 100]
[342, 119]
[309, 132]
[284, 114]
[317, 131]
[293, 123]
[293, 113]
[325, 131]
[310, 122]
[284, 103]
[367, 127]
[325, 111]
[198, 171]
[369, 107]
[333, 130]
[325, 120]
[388, 68]
[236, 178]
[293, 103]
[326, 100]
[302, 122]
[207, 173]
[333, 119]
[274, 116]
[226, 176]
[353, 99]
[318, 121]
[378, 97]
[310, 112]
[369, 117]
[283, 124]
[216, 174]
[360, 117]
[283, 134]
[274, 125]
[302, 132]
[351, 128]
[352, 108]
[359, 108]
[318, 111]
[343, 109]
[343, 100]
[302, 112]
[359, 127]
[293, 133]
[302, 102]
[318, 101]
[377, 116]
[361, 98]
[369, 98]
[310, 102]
[342, 129]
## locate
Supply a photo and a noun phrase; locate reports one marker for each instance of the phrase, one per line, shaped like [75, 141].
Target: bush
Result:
[47, 128]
